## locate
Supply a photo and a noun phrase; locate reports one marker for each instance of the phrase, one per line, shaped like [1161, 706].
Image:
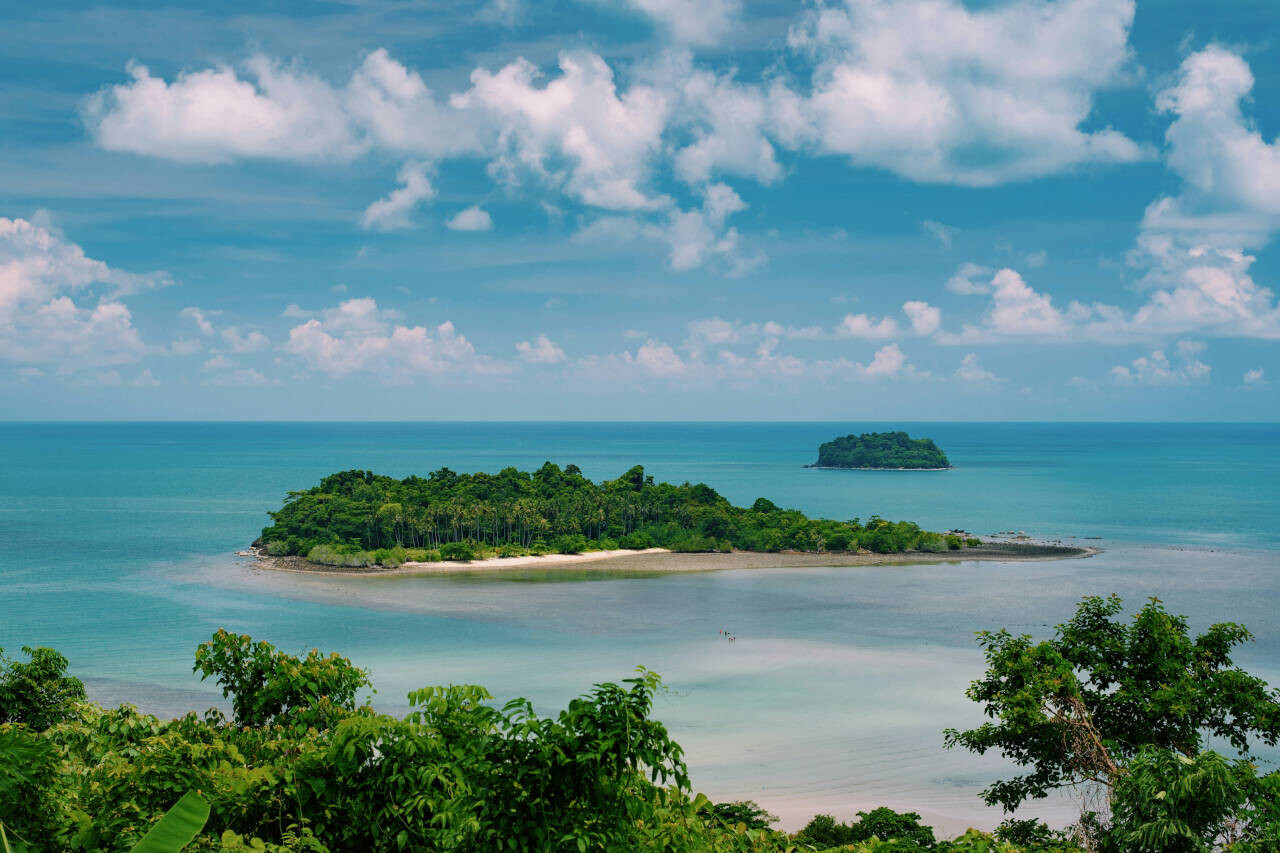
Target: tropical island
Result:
[881, 451]
[358, 519]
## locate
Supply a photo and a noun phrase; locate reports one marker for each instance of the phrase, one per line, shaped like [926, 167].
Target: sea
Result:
[118, 547]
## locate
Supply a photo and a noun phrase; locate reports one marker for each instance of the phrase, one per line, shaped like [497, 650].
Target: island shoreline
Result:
[661, 560]
[869, 468]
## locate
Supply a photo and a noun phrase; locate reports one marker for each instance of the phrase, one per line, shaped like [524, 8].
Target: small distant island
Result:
[881, 451]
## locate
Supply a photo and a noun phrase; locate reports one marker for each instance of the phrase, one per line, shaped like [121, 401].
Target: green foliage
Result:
[1170, 803]
[881, 450]
[268, 686]
[38, 692]
[744, 812]
[358, 519]
[176, 829]
[1077, 707]
[459, 551]
[882, 824]
[302, 770]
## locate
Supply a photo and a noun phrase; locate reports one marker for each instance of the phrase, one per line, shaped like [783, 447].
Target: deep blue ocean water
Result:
[119, 540]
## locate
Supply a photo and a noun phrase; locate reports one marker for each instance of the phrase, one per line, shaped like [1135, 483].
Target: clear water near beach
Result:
[119, 539]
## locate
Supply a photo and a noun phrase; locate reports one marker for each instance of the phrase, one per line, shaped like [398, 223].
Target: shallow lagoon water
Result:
[119, 542]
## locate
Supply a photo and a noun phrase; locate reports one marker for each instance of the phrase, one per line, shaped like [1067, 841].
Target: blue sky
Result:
[640, 209]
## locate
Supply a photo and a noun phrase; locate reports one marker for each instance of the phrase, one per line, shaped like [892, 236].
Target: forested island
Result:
[1149, 725]
[894, 451]
[358, 518]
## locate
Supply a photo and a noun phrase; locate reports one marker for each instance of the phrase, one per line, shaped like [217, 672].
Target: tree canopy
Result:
[1123, 710]
[881, 450]
[359, 518]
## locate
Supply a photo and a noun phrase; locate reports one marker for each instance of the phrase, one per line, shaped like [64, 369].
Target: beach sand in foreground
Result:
[662, 560]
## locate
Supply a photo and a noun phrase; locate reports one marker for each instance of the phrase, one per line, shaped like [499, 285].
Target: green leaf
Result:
[179, 825]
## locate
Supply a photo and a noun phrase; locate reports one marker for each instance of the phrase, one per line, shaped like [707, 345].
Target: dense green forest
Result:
[303, 765]
[358, 518]
[881, 450]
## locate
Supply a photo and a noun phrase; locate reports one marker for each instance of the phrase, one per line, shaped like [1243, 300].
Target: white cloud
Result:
[392, 212]
[40, 323]
[925, 318]
[1221, 156]
[1017, 311]
[504, 12]
[888, 362]
[198, 317]
[541, 351]
[214, 115]
[358, 337]
[700, 22]
[241, 378]
[964, 283]
[934, 91]
[863, 326]
[277, 112]
[658, 359]
[711, 365]
[1158, 369]
[1256, 376]
[576, 133]
[237, 342]
[719, 125]
[943, 233]
[219, 362]
[1195, 246]
[698, 237]
[472, 218]
[145, 379]
[971, 370]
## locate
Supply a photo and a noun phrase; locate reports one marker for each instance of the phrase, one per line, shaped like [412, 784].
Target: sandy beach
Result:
[662, 560]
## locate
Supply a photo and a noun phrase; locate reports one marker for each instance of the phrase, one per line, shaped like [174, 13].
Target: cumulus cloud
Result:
[145, 379]
[577, 132]
[696, 237]
[935, 91]
[1158, 369]
[726, 361]
[41, 275]
[1222, 158]
[472, 218]
[215, 115]
[1256, 376]
[392, 212]
[540, 351]
[699, 22]
[888, 362]
[358, 337]
[971, 370]
[1195, 246]
[719, 125]
[925, 318]
[270, 110]
[238, 342]
[967, 280]
[863, 326]
[197, 316]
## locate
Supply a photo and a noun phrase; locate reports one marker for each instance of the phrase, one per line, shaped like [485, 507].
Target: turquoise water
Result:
[119, 540]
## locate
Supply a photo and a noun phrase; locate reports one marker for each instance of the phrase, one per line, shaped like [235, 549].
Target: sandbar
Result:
[662, 560]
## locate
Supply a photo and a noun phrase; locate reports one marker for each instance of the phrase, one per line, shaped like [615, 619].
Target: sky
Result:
[640, 210]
